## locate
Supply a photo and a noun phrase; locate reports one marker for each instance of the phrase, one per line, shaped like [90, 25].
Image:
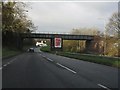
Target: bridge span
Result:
[87, 38]
[56, 39]
[63, 36]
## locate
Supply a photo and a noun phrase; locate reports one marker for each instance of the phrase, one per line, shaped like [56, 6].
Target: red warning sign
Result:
[57, 42]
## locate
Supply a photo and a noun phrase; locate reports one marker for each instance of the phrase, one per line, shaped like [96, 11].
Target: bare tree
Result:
[113, 26]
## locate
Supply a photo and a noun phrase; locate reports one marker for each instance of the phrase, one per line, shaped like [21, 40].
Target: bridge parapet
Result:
[63, 36]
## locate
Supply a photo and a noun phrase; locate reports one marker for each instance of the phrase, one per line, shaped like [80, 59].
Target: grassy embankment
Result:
[110, 61]
[45, 49]
[6, 52]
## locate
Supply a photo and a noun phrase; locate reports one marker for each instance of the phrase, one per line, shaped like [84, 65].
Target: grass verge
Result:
[6, 52]
[114, 62]
[45, 49]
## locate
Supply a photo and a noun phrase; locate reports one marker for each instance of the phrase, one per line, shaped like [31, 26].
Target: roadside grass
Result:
[9, 52]
[45, 49]
[109, 61]
[6, 52]
[114, 62]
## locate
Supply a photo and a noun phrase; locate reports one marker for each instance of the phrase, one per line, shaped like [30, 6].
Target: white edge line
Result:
[66, 68]
[60, 64]
[0, 68]
[11, 61]
[5, 65]
[50, 59]
[43, 56]
[8, 63]
[103, 86]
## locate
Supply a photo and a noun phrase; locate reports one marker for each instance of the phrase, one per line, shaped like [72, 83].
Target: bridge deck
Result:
[63, 36]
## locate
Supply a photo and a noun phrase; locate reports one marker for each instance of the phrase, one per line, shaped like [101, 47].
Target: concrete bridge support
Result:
[88, 45]
[52, 44]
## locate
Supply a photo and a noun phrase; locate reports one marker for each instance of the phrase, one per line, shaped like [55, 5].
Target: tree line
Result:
[14, 22]
[105, 43]
[15, 19]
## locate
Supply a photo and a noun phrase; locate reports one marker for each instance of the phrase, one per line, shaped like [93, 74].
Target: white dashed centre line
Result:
[61, 65]
[5, 65]
[104, 87]
[11, 61]
[0, 68]
[8, 63]
[50, 59]
[66, 68]
[43, 56]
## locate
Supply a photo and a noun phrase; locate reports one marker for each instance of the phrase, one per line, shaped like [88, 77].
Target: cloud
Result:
[64, 16]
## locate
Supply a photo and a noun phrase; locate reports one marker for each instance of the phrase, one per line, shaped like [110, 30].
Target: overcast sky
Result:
[64, 16]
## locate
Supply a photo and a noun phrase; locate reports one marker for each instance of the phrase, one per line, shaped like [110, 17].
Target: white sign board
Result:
[58, 42]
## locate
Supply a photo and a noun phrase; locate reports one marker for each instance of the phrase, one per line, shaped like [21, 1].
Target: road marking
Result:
[50, 59]
[60, 65]
[5, 65]
[43, 56]
[11, 61]
[47, 58]
[0, 68]
[66, 68]
[104, 87]
[8, 63]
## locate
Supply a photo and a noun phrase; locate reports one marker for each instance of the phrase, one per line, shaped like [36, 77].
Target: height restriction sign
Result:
[57, 42]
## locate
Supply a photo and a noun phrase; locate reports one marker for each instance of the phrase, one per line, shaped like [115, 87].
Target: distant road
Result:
[44, 70]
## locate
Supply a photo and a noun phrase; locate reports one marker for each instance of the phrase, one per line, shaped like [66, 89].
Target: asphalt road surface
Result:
[44, 70]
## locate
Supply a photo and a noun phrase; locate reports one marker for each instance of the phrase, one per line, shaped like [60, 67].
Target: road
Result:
[44, 70]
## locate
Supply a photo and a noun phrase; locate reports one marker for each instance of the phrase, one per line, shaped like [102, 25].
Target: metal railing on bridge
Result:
[63, 36]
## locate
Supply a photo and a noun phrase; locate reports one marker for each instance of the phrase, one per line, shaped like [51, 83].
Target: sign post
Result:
[58, 43]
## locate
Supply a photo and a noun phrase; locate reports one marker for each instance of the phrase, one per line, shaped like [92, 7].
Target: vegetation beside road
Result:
[115, 62]
[110, 61]
[6, 52]
[9, 52]
[45, 49]
[15, 21]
